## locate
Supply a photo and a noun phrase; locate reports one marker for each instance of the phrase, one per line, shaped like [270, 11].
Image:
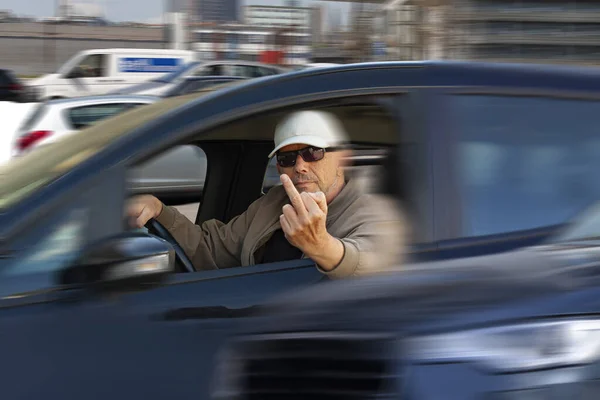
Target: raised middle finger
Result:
[293, 195]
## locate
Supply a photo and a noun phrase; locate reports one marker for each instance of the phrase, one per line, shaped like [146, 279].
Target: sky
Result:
[120, 10]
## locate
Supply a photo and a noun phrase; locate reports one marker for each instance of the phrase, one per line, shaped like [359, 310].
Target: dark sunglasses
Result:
[309, 154]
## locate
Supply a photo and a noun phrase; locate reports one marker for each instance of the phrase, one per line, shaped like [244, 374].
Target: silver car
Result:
[178, 174]
[164, 83]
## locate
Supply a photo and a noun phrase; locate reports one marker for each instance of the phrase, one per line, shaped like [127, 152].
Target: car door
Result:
[88, 76]
[151, 341]
[508, 178]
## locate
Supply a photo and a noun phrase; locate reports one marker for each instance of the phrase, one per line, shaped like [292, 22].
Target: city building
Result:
[278, 16]
[223, 11]
[317, 22]
[548, 31]
[251, 42]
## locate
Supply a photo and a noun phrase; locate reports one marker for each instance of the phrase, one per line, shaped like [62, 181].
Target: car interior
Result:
[238, 164]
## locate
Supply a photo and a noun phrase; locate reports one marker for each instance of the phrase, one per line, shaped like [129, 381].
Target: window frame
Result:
[452, 235]
[103, 65]
[67, 113]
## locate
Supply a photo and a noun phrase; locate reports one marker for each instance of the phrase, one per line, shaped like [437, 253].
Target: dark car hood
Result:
[141, 87]
[443, 295]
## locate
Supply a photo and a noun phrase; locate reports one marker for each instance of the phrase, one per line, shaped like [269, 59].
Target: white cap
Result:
[312, 128]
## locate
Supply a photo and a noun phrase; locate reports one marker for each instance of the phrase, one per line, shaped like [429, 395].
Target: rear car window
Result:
[6, 77]
[82, 117]
[36, 115]
[520, 171]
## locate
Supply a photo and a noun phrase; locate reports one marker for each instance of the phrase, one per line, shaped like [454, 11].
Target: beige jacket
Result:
[371, 227]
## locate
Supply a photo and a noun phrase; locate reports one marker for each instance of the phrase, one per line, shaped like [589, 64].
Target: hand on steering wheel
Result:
[156, 228]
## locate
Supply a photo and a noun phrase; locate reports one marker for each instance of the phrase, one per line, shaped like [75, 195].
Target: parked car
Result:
[486, 158]
[99, 71]
[195, 83]
[174, 176]
[517, 325]
[163, 84]
[11, 88]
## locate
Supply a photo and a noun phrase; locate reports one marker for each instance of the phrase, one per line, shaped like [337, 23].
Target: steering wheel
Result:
[157, 229]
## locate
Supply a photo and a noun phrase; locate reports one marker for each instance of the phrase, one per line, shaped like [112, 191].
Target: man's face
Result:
[325, 175]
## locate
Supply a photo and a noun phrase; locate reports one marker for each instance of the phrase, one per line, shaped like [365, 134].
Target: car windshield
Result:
[585, 227]
[23, 175]
[172, 76]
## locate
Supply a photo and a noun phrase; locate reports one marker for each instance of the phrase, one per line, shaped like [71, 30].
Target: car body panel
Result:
[161, 341]
[525, 286]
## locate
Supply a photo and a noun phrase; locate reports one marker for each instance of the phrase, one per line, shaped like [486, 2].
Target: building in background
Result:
[252, 43]
[317, 23]
[220, 11]
[291, 29]
[545, 31]
[278, 16]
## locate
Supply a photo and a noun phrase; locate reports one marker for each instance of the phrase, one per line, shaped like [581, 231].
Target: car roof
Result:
[213, 77]
[102, 99]
[136, 51]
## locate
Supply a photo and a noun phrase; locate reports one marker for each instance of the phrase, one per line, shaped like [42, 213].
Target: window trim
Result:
[104, 63]
[453, 236]
[67, 112]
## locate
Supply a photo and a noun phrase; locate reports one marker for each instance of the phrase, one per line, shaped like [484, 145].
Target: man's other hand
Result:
[143, 208]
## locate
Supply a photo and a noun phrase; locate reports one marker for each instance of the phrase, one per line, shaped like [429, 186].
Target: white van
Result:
[99, 71]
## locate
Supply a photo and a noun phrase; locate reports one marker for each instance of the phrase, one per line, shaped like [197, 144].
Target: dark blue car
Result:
[486, 158]
[517, 325]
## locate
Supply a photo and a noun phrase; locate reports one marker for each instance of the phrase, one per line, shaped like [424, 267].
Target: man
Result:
[317, 213]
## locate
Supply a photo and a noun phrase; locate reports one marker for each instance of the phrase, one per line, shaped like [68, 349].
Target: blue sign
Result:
[149, 65]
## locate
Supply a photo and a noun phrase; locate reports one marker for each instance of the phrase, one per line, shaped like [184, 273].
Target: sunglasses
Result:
[288, 159]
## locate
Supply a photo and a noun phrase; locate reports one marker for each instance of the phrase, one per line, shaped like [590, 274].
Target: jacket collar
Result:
[342, 201]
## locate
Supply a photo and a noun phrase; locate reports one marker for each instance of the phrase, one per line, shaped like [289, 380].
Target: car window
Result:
[585, 226]
[81, 117]
[211, 70]
[93, 66]
[524, 162]
[5, 78]
[192, 86]
[266, 71]
[54, 248]
[179, 72]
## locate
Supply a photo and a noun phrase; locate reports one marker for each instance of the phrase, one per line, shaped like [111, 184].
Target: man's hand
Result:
[304, 225]
[142, 208]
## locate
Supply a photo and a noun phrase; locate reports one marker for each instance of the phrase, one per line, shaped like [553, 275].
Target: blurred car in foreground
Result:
[11, 88]
[517, 325]
[161, 85]
[195, 83]
[115, 312]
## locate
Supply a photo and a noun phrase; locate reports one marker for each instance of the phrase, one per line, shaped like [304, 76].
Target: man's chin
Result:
[309, 187]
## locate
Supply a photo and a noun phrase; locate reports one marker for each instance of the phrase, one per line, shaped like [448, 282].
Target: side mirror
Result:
[131, 259]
